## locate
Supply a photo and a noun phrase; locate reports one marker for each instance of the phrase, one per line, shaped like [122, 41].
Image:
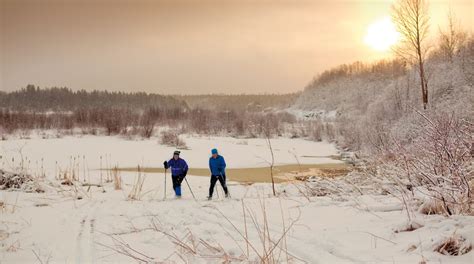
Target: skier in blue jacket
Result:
[217, 167]
[179, 169]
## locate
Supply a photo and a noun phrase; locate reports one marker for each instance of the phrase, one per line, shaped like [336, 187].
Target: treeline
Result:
[118, 113]
[240, 102]
[125, 121]
[33, 98]
[392, 68]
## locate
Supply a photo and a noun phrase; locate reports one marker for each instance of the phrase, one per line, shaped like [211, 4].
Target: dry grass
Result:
[270, 246]
[136, 192]
[409, 227]
[432, 206]
[117, 178]
[6, 207]
[190, 245]
[123, 248]
[10, 180]
[455, 245]
[46, 258]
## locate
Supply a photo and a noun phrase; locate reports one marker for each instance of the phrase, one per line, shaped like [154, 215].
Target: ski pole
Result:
[190, 188]
[165, 185]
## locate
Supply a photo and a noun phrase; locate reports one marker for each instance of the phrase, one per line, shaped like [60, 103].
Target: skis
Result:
[221, 199]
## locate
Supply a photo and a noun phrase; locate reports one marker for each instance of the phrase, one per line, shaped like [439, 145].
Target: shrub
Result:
[438, 163]
[171, 138]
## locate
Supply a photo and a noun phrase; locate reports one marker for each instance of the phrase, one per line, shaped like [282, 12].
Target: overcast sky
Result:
[188, 47]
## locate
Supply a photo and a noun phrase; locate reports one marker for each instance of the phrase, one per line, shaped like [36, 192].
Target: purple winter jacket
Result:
[178, 167]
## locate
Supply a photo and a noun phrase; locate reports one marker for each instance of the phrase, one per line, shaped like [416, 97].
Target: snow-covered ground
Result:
[81, 224]
[55, 153]
[57, 226]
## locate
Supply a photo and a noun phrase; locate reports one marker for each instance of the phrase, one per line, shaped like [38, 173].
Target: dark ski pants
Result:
[214, 179]
[177, 180]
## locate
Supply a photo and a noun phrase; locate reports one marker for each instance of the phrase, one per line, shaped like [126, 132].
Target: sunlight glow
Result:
[382, 34]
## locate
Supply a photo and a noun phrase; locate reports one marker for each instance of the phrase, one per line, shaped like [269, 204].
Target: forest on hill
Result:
[376, 103]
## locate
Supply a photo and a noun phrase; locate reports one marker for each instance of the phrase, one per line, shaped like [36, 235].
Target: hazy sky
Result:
[189, 47]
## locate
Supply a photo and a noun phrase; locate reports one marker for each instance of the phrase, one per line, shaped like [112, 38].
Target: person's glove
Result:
[165, 164]
[185, 173]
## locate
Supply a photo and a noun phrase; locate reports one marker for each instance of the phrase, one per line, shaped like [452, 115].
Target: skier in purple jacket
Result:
[179, 169]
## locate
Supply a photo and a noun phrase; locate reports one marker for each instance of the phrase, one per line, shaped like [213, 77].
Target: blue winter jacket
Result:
[178, 167]
[217, 165]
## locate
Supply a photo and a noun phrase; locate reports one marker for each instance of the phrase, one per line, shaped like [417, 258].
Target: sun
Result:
[382, 34]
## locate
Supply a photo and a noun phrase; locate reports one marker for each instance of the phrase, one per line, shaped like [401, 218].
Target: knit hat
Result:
[177, 152]
[214, 151]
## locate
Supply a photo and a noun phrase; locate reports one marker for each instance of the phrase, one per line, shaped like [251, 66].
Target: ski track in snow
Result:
[85, 241]
[327, 232]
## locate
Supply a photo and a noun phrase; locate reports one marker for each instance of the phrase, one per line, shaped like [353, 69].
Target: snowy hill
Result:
[381, 99]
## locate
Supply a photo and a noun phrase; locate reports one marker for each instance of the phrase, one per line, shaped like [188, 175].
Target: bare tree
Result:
[412, 20]
[466, 54]
[265, 127]
[272, 163]
[147, 122]
[451, 38]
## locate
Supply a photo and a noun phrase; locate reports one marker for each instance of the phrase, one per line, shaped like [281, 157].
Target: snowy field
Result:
[95, 152]
[93, 224]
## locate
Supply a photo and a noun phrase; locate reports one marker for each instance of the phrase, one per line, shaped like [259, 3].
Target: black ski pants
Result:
[177, 180]
[214, 179]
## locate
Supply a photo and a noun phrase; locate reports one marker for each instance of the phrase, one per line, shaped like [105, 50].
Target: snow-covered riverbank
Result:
[94, 224]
